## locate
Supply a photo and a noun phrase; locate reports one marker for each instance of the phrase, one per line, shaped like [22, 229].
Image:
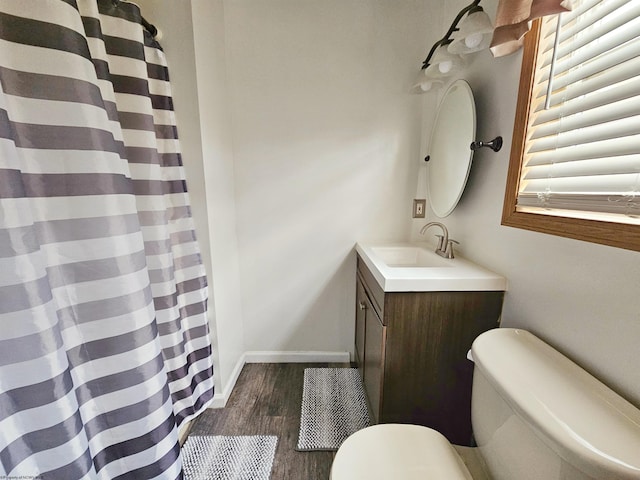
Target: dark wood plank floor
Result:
[266, 400]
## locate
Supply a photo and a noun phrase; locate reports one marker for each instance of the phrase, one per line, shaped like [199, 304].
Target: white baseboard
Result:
[296, 357]
[220, 398]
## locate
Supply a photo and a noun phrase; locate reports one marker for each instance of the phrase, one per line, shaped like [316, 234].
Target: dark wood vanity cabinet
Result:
[411, 350]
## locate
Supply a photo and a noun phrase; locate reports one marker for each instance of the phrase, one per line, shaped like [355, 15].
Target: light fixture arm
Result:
[472, 7]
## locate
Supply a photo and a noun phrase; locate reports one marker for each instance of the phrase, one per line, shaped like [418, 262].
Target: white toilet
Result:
[535, 414]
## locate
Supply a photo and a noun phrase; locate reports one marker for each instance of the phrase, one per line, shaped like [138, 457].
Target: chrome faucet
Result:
[445, 244]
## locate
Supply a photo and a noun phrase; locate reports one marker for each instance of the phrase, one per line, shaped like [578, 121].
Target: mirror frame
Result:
[450, 155]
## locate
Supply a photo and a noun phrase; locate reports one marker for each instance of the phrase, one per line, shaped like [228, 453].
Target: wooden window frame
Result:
[614, 234]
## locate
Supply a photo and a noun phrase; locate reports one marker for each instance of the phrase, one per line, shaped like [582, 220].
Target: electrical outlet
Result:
[419, 205]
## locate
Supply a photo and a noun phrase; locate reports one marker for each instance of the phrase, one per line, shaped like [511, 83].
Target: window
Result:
[575, 157]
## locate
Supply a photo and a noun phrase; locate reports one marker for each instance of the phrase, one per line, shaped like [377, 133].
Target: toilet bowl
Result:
[394, 451]
[536, 415]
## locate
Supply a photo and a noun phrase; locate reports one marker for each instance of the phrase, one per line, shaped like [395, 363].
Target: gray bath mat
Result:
[334, 406]
[217, 457]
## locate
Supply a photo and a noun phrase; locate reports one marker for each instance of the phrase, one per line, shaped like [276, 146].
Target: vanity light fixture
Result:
[446, 62]
[424, 84]
[474, 34]
[428, 79]
[444, 58]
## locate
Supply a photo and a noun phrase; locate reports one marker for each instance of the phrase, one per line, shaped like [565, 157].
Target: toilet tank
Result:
[537, 415]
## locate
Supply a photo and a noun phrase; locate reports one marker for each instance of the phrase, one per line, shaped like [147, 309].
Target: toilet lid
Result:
[394, 451]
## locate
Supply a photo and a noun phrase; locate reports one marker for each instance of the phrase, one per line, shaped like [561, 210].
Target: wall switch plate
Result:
[419, 205]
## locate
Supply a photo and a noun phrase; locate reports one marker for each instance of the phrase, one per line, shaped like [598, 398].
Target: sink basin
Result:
[415, 267]
[409, 256]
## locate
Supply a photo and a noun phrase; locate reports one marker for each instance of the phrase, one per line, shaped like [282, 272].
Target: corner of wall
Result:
[217, 155]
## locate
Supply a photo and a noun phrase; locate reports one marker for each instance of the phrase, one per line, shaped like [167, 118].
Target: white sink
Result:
[409, 256]
[415, 267]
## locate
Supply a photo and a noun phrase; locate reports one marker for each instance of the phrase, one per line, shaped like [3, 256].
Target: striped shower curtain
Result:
[104, 344]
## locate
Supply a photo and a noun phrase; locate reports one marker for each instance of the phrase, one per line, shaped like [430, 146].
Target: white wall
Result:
[193, 41]
[582, 298]
[218, 157]
[300, 138]
[325, 139]
[325, 151]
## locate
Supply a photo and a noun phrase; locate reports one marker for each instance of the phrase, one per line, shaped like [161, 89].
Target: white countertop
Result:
[452, 275]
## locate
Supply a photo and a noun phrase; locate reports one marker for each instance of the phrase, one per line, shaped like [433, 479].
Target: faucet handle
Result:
[449, 250]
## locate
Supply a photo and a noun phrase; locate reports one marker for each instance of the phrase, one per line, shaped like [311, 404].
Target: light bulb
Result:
[426, 86]
[445, 66]
[473, 40]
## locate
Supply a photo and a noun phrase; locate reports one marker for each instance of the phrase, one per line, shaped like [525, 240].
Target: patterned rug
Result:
[216, 457]
[334, 406]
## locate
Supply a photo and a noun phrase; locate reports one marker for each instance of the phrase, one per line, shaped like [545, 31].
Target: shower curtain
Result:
[104, 344]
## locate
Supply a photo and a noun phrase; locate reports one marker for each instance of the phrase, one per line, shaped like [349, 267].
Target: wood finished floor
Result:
[266, 400]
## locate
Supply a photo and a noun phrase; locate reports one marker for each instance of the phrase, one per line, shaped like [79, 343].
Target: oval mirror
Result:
[450, 155]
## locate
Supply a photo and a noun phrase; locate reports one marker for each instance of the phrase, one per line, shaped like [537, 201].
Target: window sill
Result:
[614, 234]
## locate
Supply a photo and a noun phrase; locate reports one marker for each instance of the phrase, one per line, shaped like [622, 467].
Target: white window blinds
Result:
[582, 154]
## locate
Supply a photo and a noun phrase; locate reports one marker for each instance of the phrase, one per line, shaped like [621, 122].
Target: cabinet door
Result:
[361, 313]
[427, 375]
[375, 338]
